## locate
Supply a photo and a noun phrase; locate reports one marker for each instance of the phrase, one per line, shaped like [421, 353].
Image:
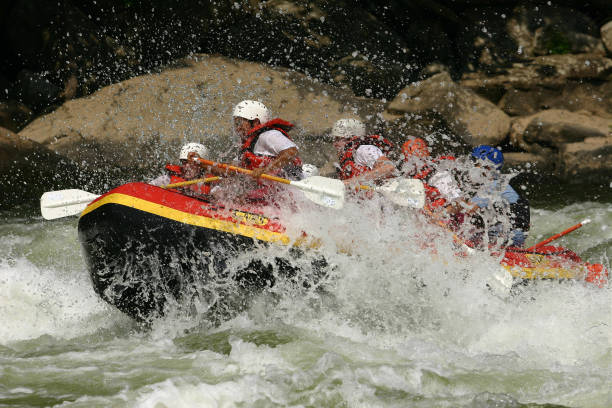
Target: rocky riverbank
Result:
[109, 90]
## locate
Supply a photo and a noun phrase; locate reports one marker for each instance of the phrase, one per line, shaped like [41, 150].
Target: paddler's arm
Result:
[217, 171]
[383, 167]
[283, 158]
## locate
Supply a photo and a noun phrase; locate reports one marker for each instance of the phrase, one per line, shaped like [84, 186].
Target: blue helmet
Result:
[489, 153]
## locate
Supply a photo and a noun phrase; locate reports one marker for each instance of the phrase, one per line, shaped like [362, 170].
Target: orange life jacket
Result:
[348, 168]
[176, 176]
[252, 161]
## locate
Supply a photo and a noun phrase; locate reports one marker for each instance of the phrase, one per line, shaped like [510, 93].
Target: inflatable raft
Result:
[146, 247]
[552, 262]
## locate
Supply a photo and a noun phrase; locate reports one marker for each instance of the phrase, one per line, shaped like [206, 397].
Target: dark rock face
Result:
[28, 169]
[606, 36]
[505, 58]
[567, 143]
[14, 115]
[35, 90]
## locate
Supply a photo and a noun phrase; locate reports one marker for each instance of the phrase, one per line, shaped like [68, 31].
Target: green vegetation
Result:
[556, 42]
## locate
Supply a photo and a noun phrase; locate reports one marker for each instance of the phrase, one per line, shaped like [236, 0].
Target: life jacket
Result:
[252, 161]
[433, 197]
[348, 168]
[176, 176]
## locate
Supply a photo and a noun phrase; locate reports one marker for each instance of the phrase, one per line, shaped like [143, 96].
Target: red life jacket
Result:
[252, 161]
[348, 168]
[432, 194]
[176, 176]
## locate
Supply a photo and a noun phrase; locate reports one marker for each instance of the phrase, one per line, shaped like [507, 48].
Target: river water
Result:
[394, 327]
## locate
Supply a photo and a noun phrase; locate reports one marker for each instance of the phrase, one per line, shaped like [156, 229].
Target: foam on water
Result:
[44, 286]
[393, 324]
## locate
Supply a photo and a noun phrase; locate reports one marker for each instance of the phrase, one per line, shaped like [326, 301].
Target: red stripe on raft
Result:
[190, 205]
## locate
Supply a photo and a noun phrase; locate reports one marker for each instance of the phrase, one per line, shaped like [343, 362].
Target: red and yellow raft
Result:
[147, 247]
[552, 262]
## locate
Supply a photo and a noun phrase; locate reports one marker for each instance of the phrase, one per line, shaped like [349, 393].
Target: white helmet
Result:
[347, 128]
[252, 110]
[197, 148]
[309, 170]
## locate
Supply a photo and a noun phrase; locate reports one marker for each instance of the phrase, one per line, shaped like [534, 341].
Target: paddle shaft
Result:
[501, 281]
[559, 235]
[241, 170]
[66, 203]
[456, 238]
[190, 182]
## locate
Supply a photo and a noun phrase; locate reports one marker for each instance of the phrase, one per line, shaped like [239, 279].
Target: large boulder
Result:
[138, 124]
[591, 156]
[14, 115]
[27, 169]
[471, 117]
[569, 143]
[551, 71]
[550, 29]
[528, 162]
[606, 36]
[573, 96]
[556, 127]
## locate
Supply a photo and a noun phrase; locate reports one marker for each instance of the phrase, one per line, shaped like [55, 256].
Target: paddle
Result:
[559, 235]
[402, 191]
[321, 190]
[502, 280]
[190, 182]
[64, 203]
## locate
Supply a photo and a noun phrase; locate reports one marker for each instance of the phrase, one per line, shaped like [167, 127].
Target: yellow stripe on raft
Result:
[542, 272]
[188, 218]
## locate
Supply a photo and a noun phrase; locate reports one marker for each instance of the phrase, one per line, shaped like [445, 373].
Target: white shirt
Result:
[446, 185]
[366, 155]
[271, 143]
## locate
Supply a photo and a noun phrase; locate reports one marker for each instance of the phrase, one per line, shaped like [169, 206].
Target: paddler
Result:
[188, 169]
[417, 163]
[362, 158]
[266, 147]
[444, 200]
[503, 212]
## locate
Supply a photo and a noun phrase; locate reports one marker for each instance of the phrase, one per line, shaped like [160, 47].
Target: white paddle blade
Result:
[324, 191]
[64, 203]
[500, 283]
[404, 192]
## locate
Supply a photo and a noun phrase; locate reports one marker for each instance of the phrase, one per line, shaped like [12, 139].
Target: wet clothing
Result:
[265, 142]
[505, 214]
[440, 186]
[360, 154]
[174, 174]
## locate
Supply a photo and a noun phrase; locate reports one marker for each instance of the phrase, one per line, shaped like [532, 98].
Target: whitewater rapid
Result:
[391, 327]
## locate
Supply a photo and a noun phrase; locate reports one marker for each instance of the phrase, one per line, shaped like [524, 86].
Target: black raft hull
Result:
[147, 248]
